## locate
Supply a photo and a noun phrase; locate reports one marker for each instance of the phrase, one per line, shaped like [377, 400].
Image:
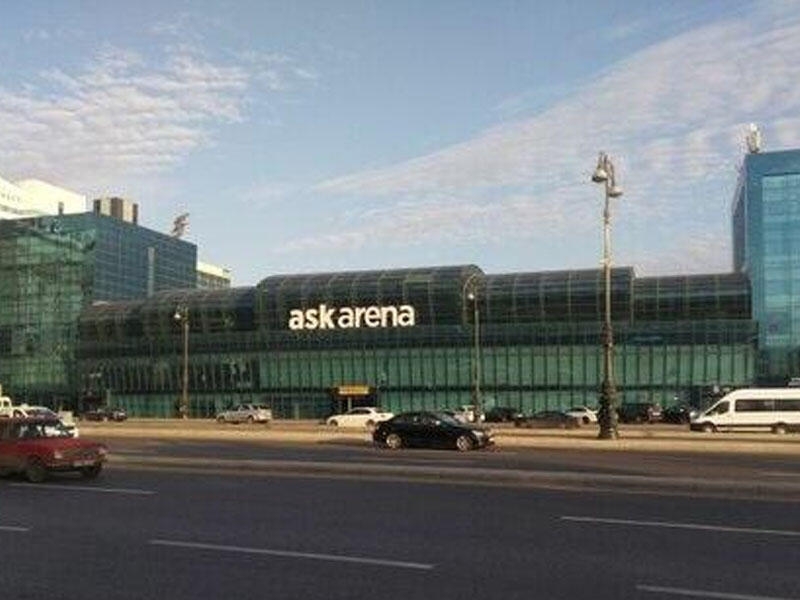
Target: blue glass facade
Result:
[766, 246]
[53, 267]
[129, 261]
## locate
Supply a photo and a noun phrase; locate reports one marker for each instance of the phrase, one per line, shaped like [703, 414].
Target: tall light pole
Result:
[607, 416]
[472, 296]
[182, 316]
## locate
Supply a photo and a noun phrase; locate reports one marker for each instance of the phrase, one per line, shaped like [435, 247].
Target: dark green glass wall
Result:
[45, 281]
[539, 341]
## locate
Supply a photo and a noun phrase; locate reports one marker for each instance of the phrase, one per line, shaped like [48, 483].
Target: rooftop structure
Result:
[33, 198]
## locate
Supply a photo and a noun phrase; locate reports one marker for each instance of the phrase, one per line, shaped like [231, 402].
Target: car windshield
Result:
[46, 429]
[40, 412]
[445, 418]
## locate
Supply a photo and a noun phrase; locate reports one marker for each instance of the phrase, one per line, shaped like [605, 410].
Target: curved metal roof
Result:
[434, 292]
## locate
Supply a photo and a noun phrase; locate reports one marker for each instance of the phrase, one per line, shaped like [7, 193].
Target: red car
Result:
[38, 446]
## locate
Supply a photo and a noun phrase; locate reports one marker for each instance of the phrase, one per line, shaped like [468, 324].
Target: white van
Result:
[752, 409]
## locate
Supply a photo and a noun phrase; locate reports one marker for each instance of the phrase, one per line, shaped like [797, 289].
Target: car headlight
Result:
[102, 451]
[58, 455]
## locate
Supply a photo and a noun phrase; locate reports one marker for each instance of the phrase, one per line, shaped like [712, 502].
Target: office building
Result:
[766, 247]
[53, 267]
[34, 198]
[212, 277]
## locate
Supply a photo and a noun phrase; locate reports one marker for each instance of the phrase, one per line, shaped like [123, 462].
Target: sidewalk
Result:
[635, 438]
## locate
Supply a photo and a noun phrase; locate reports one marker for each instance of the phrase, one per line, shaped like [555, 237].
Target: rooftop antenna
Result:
[753, 139]
[180, 225]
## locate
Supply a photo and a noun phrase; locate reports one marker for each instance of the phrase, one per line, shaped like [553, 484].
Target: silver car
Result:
[245, 413]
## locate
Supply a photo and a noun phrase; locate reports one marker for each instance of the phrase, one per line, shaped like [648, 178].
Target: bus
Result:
[752, 409]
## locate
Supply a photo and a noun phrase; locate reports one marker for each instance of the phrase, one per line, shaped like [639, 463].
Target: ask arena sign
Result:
[352, 317]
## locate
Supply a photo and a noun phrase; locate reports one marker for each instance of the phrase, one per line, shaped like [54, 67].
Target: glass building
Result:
[87, 306]
[50, 269]
[766, 247]
[307, 345]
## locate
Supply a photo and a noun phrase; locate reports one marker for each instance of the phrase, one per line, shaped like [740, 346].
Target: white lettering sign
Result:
[349, 317]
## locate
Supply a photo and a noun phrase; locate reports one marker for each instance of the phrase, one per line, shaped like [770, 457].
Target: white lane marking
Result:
[289, 554]
[782, 474]
[703, 593]
[12, 528]
[85, 488]
[671, 525]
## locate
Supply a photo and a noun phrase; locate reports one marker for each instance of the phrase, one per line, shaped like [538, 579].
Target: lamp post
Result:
[472, 296]
[182, 316]
[607, 416]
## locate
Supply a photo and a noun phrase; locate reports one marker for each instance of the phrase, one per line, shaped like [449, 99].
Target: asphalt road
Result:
[707, 466]
[165, 534]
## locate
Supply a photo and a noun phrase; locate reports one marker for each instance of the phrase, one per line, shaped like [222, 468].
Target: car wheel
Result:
[91, 472]
[334, 423]
[251, 419]
[394, 441]
[779, 429]
[709, 428]
[464, 443]
[585, 420]
[35, 471]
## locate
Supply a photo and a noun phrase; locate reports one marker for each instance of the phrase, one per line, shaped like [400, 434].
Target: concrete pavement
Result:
[634, 438]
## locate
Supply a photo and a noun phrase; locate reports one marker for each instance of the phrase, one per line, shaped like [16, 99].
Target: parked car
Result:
[42, 412]
[38, 446]
[639, 412]
[584, 414]
[245, 413]
[470, 413]
[680, 413]
[430, 430]
[548, 419]
[502, 414]
[362, 416]
[105, 413]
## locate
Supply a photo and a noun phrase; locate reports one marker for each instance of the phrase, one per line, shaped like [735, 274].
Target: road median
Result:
[633, 438]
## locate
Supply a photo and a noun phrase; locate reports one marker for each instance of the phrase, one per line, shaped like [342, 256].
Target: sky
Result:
[314, 136]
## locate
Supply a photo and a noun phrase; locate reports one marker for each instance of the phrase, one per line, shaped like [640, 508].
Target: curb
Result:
[668, 441]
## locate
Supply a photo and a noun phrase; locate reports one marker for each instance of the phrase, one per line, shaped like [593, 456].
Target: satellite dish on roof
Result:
[180, 225]
[753, 139]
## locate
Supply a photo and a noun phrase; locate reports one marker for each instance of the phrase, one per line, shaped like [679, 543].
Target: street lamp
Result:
[607, 416]
[472, 296]
[182, 316]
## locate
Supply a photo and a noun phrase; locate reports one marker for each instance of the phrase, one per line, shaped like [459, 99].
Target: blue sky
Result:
[326, 136]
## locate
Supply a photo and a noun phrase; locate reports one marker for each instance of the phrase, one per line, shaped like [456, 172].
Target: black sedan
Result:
[105, 413]
[430, 430]
[502, 414]
[680, 413]
[548, 419]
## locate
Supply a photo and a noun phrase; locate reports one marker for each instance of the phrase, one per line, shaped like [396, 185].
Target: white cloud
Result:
[123, 116]
[683, 254]
[673, 117]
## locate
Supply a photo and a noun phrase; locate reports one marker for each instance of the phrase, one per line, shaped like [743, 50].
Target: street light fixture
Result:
[607, 416]
[472, 296]
[182, 316]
